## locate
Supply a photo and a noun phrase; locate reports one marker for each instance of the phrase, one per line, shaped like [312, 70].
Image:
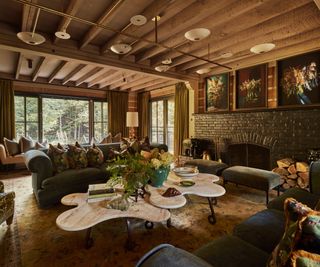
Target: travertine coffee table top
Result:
[204, 186]
[86, 215]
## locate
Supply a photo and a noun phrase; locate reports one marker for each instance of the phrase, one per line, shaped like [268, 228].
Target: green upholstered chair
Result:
[6, 205]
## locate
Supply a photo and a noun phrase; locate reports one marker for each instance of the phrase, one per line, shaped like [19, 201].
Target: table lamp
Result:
[132, 121]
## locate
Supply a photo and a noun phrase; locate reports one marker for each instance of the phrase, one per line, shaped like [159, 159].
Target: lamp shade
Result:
[132, 119]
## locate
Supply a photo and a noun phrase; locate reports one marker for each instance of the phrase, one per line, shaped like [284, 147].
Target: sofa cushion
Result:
[59, 158]
[26, 144]
[231, 251]
[77, 157]
[263, 230]
[94, 156]
[12, 147]
[116, 138]
[208, 166]
[300, 195]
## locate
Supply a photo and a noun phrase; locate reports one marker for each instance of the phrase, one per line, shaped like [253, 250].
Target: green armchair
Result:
[6, 205]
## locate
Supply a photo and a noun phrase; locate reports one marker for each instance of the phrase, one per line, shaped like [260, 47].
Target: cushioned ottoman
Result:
[208, 166]
[252, 177]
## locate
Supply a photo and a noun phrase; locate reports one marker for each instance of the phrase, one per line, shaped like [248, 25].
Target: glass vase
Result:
[160, 175]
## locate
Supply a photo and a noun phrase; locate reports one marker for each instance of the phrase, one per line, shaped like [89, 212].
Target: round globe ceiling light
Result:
[262, 48]
[138, 20]
[31, 38]
[62, 35]
[197, 34]
[121, 48]
[162, 68]
[203, 71]
[226, 55]
[166, 61]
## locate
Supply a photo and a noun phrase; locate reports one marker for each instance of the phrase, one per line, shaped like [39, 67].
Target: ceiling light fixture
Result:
[138, 20]
[121, 48]
[166, 61]
[203, 71]
[197, 34]
[63, 34]
[156, 17]
[162, 68]
[32, 38]
[226, 55]
[262, 48]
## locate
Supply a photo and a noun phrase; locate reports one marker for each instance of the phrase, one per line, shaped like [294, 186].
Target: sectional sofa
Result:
[251, 242]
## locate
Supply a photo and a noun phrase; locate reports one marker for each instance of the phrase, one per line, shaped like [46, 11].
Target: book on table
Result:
[99, 192]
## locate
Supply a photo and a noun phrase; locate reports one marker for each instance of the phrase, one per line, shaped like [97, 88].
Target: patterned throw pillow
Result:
[12, 147]
[94, 156]
[59, 158]
[300, 243]
[107, 139]
[77, 156]
[116, 138]
[26, 144]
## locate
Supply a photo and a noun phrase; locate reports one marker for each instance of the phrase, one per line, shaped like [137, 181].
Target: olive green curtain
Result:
[7, 117]
[181, 116]
[144, 114]
[117, 110]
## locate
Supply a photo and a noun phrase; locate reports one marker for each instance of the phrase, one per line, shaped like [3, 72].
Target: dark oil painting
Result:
[217, 92]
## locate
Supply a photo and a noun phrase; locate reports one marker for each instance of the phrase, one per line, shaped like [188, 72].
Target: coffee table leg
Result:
[169, 220]
[148, 225]
[129, 243]
[89, 239]
[212, 216]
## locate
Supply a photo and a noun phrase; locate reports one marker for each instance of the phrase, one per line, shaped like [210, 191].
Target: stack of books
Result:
[98, 192]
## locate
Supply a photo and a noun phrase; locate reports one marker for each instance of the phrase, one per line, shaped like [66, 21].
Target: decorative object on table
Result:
[99, 192]
[187, 183]
[298, 80]
[131, 122]
[186, 171]
[186, 147]
[161, 164]
[171, 192]
[251, 87]
[217, 92]
[131, 173]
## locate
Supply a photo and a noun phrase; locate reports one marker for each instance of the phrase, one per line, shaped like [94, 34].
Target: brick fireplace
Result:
[288, 133]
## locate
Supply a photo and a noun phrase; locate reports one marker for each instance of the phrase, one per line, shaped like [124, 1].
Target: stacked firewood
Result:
[293, 173]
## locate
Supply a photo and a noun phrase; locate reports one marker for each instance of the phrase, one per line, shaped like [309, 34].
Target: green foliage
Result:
[132, 172]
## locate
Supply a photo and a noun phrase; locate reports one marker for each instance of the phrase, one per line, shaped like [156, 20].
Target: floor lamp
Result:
[132, 121]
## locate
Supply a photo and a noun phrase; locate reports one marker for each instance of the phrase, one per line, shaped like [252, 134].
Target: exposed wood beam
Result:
[317, 2]
[154, 9]
[125, 81]
[37, 70]
[56, 71]
[18, 67]
[73, 73]
[72, 9]
[28, 15]
[158, 86]
[108, 80]
[118, 77]
[138, 82]
[86, 76]
[147, 84]
[104, 19]
[101, 77]
[264, 22]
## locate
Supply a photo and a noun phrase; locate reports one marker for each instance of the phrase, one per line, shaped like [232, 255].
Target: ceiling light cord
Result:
[35, 23]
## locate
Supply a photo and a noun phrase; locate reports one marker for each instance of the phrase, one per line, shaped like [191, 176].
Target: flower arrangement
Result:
[251, 88]
[160, 159]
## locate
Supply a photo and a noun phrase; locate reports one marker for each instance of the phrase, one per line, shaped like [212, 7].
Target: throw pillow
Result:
[38, 145]
[77, 156]
[58, 158]
[94, 156]
[12, 147]
[301, 258]
[26, 144]
[107, 139]
[116, 138]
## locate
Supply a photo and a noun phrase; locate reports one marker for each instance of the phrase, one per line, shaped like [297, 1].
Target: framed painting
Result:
[298, 80]
[217, 92]
[251, 85]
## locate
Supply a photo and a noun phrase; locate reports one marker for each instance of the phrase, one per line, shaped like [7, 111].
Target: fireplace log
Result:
[304, 176]
[292, 183]
[285, 163]
[281, 171]
[302, 167]
[302, 183]
[292, 176]
[286, 186]
[292, 169]
[282, 180]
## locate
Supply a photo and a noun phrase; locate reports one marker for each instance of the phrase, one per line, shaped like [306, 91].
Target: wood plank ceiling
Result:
[86, 60]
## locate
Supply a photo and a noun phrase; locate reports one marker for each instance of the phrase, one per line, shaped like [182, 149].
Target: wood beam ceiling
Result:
[158, 86]
[73, 73]
[101, 78]
[146, 85]
[38, 68]
[57, 70]
[126, 80]
[28, 15]
[103, 20]
[317, 2]
[72, 9]
[18, 66]
[136, 83]
[89, 74]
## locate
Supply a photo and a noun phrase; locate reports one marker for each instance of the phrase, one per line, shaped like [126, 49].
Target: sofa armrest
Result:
[3, 154]
[38, 162]
[314, 177]
[1, 187]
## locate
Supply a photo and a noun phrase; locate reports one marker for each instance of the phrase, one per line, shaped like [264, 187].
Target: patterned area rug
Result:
[35, 240]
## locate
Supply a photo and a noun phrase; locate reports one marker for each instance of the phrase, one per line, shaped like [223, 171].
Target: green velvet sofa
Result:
[251, 242]
[49, 188]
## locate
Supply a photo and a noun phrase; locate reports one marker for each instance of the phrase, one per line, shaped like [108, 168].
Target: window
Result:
[57, 119]
[65, 120]
[100, 120]
[162, 122]
[27, 117]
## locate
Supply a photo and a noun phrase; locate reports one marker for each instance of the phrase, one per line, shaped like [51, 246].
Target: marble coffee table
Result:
[86, 215]
[204, 187]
